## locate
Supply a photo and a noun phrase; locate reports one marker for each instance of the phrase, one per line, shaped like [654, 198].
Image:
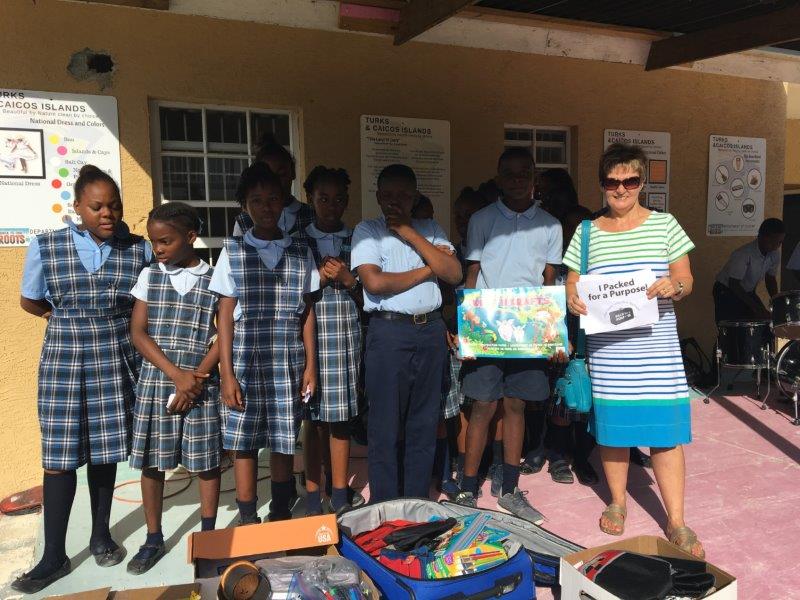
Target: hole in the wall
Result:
[100, 63]
[92, 65]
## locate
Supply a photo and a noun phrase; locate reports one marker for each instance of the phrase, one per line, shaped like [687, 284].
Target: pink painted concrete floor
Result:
[742, 496]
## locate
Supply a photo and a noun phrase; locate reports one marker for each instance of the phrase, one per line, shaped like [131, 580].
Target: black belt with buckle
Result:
[419, 319]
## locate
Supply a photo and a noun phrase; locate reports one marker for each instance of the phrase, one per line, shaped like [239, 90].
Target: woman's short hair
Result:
[622, 154]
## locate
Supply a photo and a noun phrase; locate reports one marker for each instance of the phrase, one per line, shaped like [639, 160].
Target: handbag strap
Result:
[586, 232]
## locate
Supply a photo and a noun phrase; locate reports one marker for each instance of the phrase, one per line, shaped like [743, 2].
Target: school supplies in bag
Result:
[531, 551]
[574, 387]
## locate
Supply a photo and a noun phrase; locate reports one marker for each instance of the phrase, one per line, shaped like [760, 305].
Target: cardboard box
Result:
[574, 586]
[212, 552]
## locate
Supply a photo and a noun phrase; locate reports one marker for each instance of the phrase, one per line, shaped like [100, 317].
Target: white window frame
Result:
[157, 152]
[533, 143]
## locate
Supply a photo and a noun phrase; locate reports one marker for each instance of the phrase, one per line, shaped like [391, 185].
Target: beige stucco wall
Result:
[792, 168]
[331, 79]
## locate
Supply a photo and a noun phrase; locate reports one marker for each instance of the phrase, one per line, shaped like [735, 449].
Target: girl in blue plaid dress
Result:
[337, 307]
[268, 360]
[296, 216]
[79, 278]
[176, 417]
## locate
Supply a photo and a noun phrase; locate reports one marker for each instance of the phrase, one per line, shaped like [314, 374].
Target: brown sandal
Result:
[686, 539]
[615, 514]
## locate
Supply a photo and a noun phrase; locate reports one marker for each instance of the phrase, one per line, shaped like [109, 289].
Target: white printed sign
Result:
[422, 144]
[736, 179]
[45, 139]
[655, 193]
[617, 302]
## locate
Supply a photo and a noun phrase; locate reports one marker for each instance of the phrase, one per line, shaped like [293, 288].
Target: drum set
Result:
[772, 346]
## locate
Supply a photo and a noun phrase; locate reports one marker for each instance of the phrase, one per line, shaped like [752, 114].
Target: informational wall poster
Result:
[655, 193]
[617, 302]
[422, 144]
[736, 172]
[522, 322]
[45, 139]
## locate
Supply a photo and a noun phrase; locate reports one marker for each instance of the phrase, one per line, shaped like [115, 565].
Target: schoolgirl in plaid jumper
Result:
[176, 417]
[268, 362]
[296, 216]
[79, 278]
[338, 308]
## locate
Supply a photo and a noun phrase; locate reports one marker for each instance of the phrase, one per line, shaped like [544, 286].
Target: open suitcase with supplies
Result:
[535, 552]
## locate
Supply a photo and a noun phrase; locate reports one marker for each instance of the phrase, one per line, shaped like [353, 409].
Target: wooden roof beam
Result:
[417, 16]
[151, 4]
[764, 30]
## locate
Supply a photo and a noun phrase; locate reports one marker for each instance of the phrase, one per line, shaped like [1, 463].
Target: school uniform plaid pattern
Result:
[452, 398]
[245, 222]
[305, 216]
[338, 347]
[88, 366]
[182, 326]
[268, 353]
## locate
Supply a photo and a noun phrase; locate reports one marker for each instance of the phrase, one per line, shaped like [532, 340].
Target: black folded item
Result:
[417, 536]
[689, 577]
[630, 576]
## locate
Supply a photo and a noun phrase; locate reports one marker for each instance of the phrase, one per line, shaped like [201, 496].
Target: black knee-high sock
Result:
[557, 441]
[101, 491]
[534, 429]
[584, 442]
[59, 493]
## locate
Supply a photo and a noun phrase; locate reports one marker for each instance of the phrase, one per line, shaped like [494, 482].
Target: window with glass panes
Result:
[202, 150]
[549, 145]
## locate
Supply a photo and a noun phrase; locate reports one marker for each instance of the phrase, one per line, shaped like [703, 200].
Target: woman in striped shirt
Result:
[639, 388]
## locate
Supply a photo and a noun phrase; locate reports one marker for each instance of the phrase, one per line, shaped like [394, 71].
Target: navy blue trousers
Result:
[404, 365]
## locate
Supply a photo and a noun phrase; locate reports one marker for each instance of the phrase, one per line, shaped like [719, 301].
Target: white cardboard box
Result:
[574, 586]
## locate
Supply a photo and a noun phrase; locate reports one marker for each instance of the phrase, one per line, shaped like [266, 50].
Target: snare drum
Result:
[786, 314]
[745, 344]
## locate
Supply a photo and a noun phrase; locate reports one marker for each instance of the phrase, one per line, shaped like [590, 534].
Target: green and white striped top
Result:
[654, 244]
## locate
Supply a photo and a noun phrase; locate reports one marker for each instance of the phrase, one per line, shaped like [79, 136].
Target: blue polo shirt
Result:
[375, 244]
[513, 248]
[91, 254]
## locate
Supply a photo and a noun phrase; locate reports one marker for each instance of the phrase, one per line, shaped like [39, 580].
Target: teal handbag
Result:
[574, 387]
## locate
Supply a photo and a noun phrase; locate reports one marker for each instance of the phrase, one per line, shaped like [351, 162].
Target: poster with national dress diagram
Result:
[45, 139]
[736, 175]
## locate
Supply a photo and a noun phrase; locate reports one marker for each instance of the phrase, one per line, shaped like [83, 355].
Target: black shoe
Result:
[146, 558]
[27, 585]
[249, 520]
[559, 471]
[467, 499]
[278, 515]
[640, 458]
[585, 473]
[346, 508]
[317, 510]
[496, 477]
[354, 498]
[449, 489]
[108, 557]
[533, 463]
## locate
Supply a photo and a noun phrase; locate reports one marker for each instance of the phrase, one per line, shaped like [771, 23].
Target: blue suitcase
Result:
[513, 580]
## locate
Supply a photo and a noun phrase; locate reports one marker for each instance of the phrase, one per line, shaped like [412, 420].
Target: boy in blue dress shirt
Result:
[511, 243]
[398, 261]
